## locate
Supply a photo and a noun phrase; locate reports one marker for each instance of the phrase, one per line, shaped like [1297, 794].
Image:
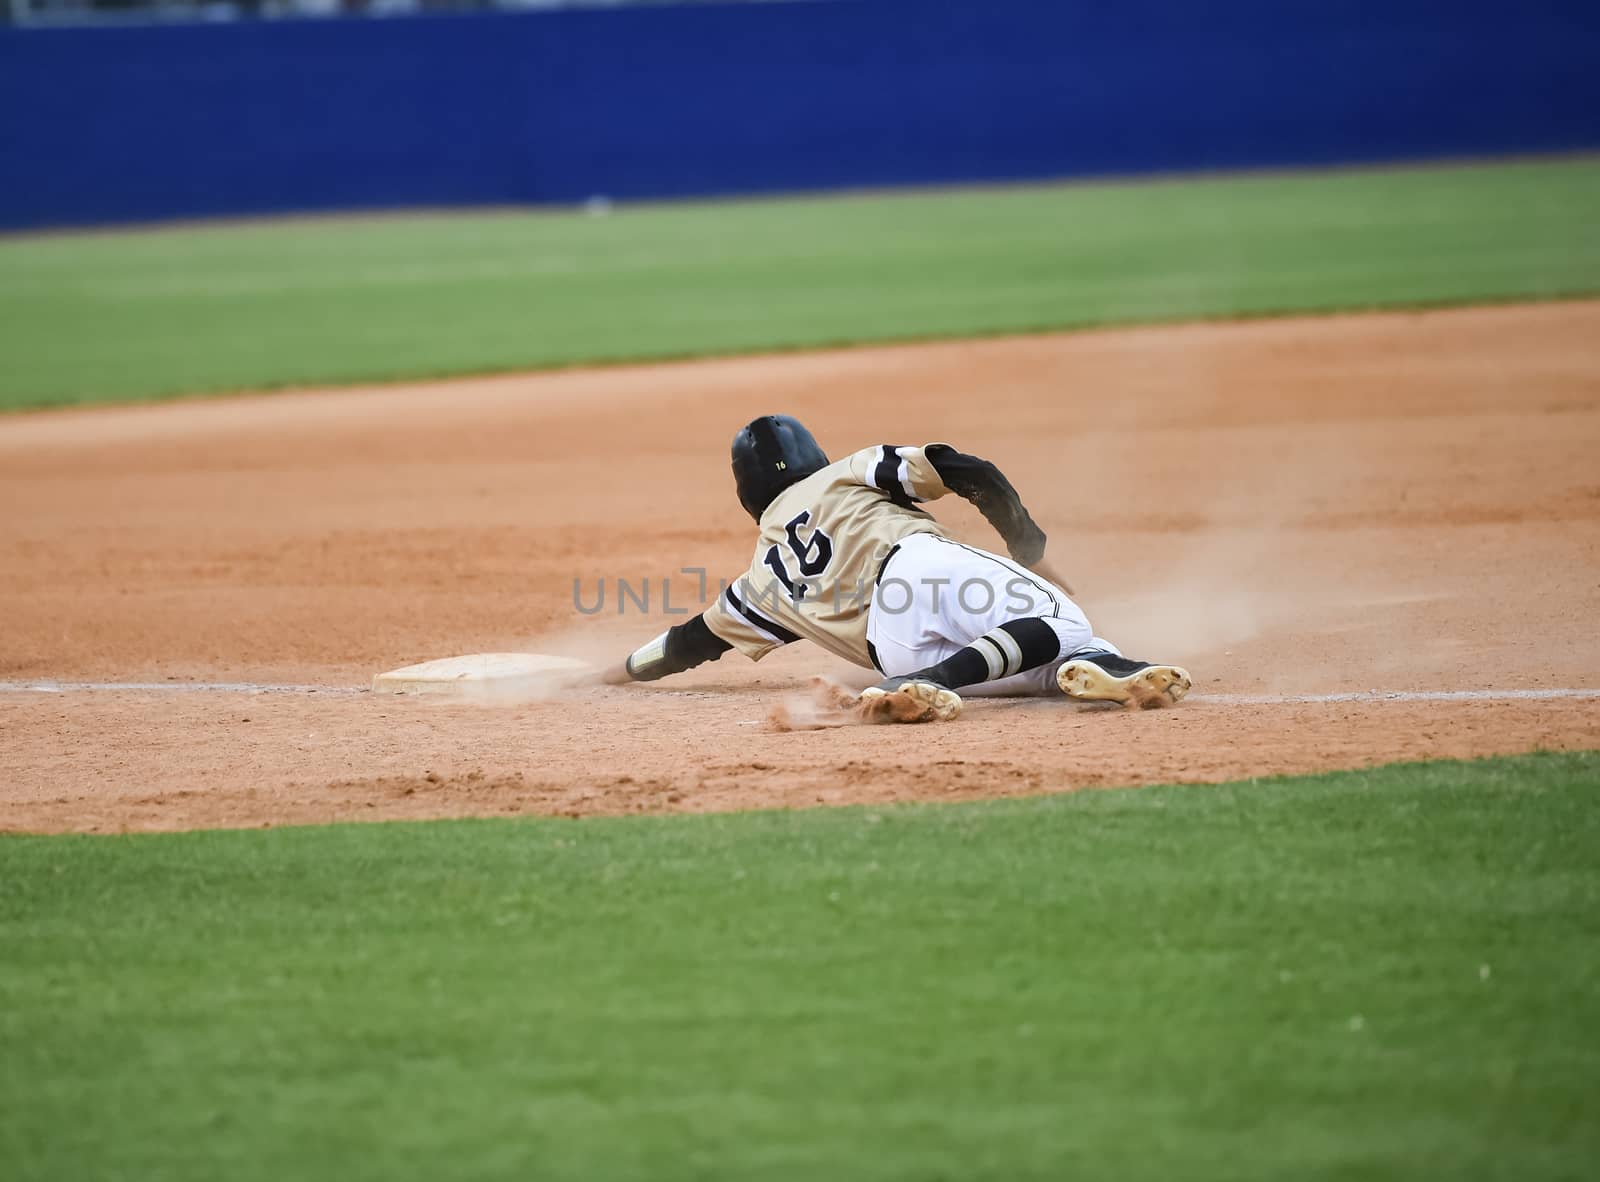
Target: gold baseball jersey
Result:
[822, 543]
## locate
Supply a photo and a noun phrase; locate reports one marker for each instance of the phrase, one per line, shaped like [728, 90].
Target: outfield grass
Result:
[1381, 974]
[110, 317]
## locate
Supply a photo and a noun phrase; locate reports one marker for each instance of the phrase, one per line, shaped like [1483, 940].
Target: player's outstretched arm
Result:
[680, 647]
[986, 487]
[983, 484]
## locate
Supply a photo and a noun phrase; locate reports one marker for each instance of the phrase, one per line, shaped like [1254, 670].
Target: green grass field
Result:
[118, 316]
[1382, 974]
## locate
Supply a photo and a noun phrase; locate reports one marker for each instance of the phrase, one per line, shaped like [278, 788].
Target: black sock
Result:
[1013, 647]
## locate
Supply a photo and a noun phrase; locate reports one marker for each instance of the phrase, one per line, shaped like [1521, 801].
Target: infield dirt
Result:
[1403, 502]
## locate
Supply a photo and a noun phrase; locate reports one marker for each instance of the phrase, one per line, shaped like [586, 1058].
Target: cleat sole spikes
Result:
[915, 701]
[1146, 689]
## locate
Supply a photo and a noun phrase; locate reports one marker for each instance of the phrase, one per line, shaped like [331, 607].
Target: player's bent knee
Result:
[1072, 634]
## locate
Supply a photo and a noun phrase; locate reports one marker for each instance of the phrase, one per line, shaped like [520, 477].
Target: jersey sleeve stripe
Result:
[903, 474]
[882, 474]
[771, 629]
[887, 477]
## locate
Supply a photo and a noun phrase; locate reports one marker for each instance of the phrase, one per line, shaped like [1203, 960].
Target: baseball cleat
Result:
[1116, 679]
[905, 699]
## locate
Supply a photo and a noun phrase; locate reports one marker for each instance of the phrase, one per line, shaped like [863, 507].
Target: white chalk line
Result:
[173, 687]
[251, 687]
[1483, 695]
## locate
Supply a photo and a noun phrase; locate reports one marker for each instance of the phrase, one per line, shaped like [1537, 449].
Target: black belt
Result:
[872, 651]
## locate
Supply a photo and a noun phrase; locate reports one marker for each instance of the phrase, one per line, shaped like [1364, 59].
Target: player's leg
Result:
[1009, 660]
[1023, 657]
[981, 624]
[953, 616]
[1086, 667]
[1041, 681]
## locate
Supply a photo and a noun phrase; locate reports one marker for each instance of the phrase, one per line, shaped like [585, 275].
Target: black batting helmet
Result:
[769, 455]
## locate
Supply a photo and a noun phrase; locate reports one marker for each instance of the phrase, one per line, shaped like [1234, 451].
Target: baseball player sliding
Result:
[849, 559]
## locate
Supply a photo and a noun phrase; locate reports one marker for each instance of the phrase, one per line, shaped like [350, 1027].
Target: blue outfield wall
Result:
[138, 123]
